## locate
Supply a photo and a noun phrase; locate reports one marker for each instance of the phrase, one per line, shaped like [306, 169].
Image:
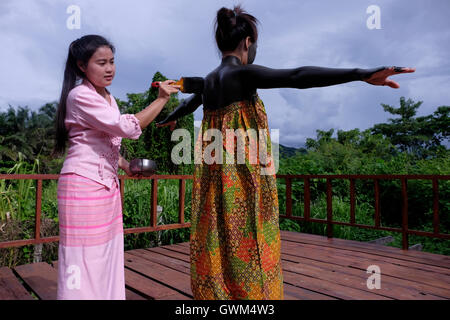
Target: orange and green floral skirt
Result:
[235, 236]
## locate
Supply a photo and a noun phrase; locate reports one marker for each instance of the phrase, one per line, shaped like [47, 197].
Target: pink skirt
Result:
[90, 255]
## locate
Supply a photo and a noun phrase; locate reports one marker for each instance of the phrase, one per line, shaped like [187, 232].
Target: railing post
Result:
[404, 214]
[37, 225]
[154, 203]
[377, 202]
[329, 210]
[435, 206]
[352, 201]
[307, 199]
[122, 191]
[288, 197]
[181, 198]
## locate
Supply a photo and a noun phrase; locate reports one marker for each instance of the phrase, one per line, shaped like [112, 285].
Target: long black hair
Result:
[234, 25]
[81, 50]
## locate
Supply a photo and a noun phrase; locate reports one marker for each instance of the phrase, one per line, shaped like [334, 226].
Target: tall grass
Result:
[137, 210]
[18, 196]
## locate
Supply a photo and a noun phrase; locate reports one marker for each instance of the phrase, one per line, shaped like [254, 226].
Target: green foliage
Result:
[421, 136]
[27, 132]
[155, 143]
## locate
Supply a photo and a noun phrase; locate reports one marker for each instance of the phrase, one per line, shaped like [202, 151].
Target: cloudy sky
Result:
[176, 38]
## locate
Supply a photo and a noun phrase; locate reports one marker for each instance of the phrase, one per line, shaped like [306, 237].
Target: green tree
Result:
[420, 136]
[27, 132]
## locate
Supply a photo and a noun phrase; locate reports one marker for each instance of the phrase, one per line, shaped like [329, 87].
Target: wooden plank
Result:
[183, 244]
[170, 253]
[11, 288]
[41, 278]
[416, 289]
[295, 247]
[329, 288]
[302, 237]
[359, 281]
[176, 296]
[329, 253]
[177, 248]
[416, 256]
[174, 279]
[130, 295]
[295, 293]
[364, 261]
[166, 261]
[149, 288]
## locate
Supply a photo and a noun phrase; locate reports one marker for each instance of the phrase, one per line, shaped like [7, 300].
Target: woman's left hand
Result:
[127, 170]
[125, 166]
[380, 78]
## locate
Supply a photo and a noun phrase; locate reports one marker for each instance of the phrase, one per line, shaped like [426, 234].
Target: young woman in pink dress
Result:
[90, 256]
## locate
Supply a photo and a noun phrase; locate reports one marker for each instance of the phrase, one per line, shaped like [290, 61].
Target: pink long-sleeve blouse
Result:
[95, 130]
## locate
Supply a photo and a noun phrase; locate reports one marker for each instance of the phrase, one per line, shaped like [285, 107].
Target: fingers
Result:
[408, 70]
[171, 124]
[169, 86]
[171, 83]
[166, 90]
[396, 70]
[391, 84]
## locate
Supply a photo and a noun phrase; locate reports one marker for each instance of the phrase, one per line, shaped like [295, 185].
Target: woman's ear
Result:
[248, 42]
[81, 66]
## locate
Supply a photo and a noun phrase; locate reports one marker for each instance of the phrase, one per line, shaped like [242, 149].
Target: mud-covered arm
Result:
[186, 107]
[258, 76]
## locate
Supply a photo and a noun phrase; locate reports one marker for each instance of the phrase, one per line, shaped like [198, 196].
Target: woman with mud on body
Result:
[235, 237]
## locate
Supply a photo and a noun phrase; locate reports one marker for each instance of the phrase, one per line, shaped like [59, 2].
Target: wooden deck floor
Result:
[314, 268]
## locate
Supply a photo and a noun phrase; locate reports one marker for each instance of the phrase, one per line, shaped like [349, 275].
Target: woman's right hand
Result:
[166, 88]
[380, 76]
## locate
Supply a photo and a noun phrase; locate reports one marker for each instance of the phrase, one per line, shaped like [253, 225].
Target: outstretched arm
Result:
[310, 76]
[188, 106]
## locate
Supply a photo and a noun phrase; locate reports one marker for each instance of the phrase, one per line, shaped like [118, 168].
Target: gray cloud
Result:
[176, 38]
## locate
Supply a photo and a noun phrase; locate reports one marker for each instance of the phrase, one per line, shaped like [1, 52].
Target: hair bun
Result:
[226, 18]
[234, 25]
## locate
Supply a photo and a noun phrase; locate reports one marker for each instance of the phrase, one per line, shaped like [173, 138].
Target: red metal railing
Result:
[376, 178]
[153, 209]
[288, 178]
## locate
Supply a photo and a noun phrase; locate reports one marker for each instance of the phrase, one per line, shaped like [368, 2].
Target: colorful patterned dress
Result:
[235, 236]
